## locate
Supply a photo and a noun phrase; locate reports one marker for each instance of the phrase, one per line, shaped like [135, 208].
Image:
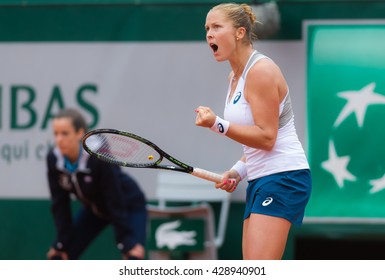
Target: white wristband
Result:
[220, 126]
[241, 169]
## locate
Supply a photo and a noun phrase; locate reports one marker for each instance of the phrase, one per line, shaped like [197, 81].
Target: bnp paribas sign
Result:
[346, 119]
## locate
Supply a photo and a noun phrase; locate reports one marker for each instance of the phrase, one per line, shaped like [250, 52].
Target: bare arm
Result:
[265, 87]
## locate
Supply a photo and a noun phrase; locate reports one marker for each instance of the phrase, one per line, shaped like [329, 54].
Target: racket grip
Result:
[207, 175]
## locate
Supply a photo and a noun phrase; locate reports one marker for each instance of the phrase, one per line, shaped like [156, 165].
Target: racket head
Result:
[121, 148]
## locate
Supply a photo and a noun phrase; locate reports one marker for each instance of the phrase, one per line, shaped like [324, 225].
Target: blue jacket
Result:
[100, 186]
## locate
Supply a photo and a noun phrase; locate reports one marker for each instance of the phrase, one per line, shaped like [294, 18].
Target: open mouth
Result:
[214, 47]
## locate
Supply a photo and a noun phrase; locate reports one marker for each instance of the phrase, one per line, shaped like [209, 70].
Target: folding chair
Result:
[196, 193]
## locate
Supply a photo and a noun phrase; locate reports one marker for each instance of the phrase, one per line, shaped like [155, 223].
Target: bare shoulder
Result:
[265, 69]
[264, 76]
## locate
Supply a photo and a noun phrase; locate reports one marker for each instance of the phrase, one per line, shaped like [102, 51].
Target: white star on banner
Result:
[337, 166]
[358, 101]
[378, 184]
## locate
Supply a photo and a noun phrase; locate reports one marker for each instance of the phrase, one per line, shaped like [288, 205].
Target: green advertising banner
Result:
[346, 113]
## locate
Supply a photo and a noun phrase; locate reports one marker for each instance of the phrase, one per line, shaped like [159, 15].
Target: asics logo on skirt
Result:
[267, 201]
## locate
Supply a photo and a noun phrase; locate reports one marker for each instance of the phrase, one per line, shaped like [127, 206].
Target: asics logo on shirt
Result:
[220, 128]
[267, 201]
[237, 97]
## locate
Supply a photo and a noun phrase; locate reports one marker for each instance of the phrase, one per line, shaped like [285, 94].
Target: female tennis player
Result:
[107, 195]
[258, 115]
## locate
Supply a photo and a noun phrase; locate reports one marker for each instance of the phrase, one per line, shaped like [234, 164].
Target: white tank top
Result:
[287, 153]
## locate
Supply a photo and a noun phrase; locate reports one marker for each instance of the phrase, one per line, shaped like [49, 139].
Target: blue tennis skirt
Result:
[283, 195]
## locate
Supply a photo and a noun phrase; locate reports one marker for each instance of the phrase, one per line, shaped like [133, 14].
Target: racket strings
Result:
[122, 149]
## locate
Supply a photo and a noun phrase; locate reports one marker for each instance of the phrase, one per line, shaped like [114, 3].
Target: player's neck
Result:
[238, 64]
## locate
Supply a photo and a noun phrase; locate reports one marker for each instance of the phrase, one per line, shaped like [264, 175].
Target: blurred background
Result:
[143, 66]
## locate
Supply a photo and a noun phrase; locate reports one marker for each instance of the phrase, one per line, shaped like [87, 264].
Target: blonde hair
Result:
[242, 16]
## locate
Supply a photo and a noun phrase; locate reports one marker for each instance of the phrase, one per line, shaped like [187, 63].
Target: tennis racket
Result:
[130, 150]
